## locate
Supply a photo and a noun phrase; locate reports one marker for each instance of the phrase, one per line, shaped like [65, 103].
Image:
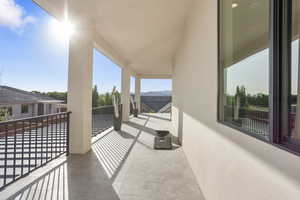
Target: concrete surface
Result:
[121, 165]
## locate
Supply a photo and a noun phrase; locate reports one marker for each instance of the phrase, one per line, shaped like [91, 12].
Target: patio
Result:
[122, 165]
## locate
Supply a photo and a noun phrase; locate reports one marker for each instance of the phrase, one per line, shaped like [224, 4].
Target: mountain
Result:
[157, 93]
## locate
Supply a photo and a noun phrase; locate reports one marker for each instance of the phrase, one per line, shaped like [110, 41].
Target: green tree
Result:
[108, 99]
[3, 114]
[56, 95]
[95, 96]
[241, 92]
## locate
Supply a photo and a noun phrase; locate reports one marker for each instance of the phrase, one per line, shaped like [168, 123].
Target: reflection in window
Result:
[293, 132]
[244, 62]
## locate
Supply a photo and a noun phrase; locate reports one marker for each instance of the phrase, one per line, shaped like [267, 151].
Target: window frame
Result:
[280, 26]
[23, 107]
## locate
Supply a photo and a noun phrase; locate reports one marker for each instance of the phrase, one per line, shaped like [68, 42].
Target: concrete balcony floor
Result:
[121, 165]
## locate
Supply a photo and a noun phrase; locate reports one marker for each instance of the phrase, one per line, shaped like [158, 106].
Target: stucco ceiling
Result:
[140, 34]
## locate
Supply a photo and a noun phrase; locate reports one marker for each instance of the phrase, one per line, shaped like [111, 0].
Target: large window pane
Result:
[293, 133]
[244, 63]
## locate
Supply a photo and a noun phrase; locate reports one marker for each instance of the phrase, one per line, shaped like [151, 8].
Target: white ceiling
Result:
[139, 34]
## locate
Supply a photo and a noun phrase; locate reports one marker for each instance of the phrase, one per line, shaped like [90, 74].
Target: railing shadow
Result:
[51, 185]
[142, 128]
[77, 177]
[155, 116]
[113, 150]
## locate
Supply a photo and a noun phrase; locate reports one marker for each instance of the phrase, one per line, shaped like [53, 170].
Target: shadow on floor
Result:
[113, 149]
[46, 186]
[78, 177]
[155, 116]
[142, 128]
[90, 176]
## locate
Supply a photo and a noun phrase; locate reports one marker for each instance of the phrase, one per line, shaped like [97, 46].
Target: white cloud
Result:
[13, 16]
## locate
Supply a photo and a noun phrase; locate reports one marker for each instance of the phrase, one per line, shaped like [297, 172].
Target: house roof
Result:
[9, 95]
[156, 102]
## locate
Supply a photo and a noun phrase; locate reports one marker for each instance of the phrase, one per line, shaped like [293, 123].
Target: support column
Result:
[80, 91]
[125, 94]
[138, 93]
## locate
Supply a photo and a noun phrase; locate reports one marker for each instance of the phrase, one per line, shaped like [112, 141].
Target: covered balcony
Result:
[226, 144]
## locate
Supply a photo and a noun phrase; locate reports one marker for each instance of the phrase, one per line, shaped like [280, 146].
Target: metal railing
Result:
[254, 121]
[27, 144]
[102, 119]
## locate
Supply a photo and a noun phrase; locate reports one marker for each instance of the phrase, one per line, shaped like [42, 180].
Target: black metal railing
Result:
[102, 119]
[27, 144]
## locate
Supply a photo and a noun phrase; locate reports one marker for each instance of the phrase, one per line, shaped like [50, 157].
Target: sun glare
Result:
[61, 31]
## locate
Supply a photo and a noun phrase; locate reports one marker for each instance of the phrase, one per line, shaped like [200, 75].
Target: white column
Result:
[80, 90]
[125, 94]
[138, 93]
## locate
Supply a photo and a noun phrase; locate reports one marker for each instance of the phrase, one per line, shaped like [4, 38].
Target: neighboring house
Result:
[22, 104]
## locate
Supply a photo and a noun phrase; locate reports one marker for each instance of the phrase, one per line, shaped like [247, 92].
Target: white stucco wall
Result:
[228, 164]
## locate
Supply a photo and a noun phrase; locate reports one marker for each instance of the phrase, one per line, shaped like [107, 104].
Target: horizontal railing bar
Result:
[17, 166]
[26, 158]
[9, 176]
[27, 148]
[38, 138]
[27, 142]
[33, 152]
[31, 118]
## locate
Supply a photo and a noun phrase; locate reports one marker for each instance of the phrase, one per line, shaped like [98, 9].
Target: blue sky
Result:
[253, 72]
[34, 57]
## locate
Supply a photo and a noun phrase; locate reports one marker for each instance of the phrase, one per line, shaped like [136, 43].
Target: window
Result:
[9, 111]
[244, 65]
[259, 69]
[290, 133]
[24, 108]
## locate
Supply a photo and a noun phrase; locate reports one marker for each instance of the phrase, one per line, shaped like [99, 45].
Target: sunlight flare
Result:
[61, 31]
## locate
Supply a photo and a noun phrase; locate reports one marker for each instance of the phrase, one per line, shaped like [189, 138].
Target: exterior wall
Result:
[17, 108]
[228, 164]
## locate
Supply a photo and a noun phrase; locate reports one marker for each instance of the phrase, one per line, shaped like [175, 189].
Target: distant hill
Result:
[157, 93]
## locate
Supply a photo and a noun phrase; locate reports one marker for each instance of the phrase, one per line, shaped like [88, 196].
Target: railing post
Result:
[5, 155]
[68, 134]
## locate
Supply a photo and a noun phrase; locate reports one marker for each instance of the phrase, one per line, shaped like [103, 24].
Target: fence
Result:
[102, 119]
[27, 144]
